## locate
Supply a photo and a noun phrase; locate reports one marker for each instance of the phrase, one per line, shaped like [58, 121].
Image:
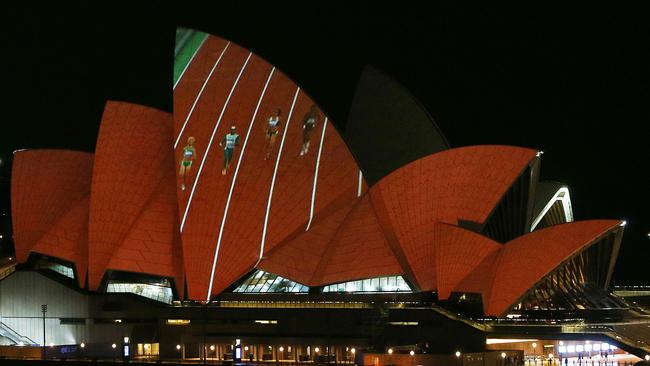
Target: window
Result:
[154, 292]
[377, 284]
[264, 282]
[58, 268]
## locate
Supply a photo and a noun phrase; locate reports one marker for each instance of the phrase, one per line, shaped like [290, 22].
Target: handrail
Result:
[7, 271]
[16, 336]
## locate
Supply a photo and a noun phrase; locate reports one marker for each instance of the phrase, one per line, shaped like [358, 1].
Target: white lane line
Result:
[313, 191]
[214, 131]
[190, 61]
[275, 172]
[234, 179]
[360, 183]
[198, 96]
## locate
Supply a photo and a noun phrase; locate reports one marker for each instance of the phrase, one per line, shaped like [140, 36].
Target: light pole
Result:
[534, 356]
[114, 346]
[44, 310]
[458, 354]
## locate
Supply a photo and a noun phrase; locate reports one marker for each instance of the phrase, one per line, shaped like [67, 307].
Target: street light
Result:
[178, 347]
[390, 351]
[113, 346]
[647, 358]
[44, 310]
[353, 350]
[82, 345]
[412, 353]
[457, 353]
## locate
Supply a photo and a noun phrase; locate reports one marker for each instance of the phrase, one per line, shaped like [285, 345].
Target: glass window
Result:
[158, 293]
[378, 284]
[374, 285]
[366, 285]
[262, 281]
[60, 269]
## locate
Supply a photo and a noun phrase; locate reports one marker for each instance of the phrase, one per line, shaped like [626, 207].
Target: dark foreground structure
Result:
[213, 234]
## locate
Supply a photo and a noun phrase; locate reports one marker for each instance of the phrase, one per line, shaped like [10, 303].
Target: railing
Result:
[12, 335]
[6, 271]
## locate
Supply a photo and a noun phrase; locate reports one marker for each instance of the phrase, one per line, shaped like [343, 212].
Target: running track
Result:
[240, 79]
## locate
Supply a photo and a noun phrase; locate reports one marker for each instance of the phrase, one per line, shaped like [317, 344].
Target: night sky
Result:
[574, 83]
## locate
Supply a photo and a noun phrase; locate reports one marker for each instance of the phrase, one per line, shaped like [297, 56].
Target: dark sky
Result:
[573, 82]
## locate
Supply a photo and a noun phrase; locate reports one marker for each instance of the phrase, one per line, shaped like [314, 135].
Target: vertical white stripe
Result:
[275, 172]
[232, 185]
[313, 191]
[214, 131]
[190, 61]
[198, 96]
[360, 183]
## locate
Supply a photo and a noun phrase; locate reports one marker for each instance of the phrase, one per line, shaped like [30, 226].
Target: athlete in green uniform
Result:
[189, 153]
[228, 142]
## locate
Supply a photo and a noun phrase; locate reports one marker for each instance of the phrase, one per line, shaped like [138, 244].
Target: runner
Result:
[272, 129]
[189, 153]
[308, 124]
[229, 141]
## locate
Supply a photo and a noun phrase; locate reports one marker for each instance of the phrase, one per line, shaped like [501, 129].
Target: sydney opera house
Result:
[245, 220]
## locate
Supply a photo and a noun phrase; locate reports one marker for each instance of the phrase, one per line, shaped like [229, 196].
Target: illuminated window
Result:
[178, 321]
[571, 349]
[378, 284]
[266, 322]
[262, 281]
[154, 292]
[58, 268]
